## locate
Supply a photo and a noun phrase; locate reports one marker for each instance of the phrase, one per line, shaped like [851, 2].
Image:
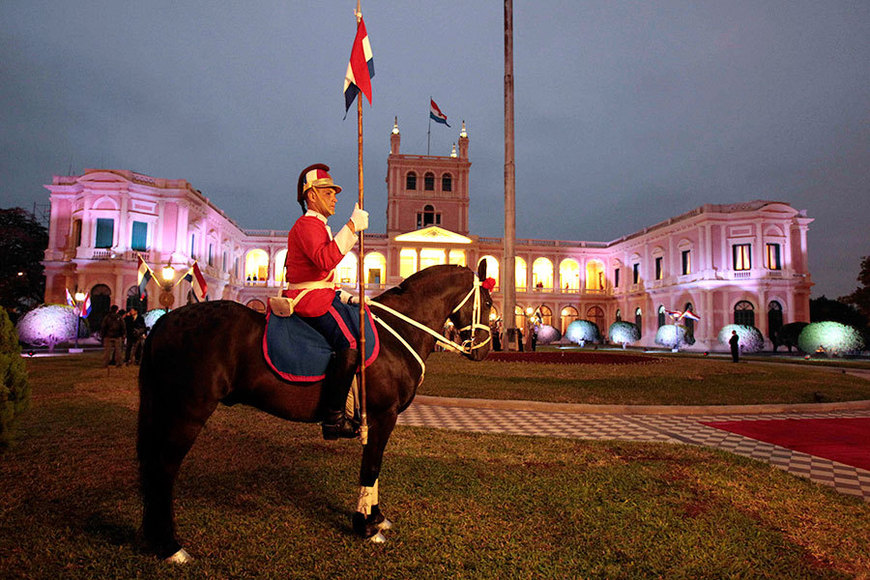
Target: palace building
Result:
[743, 263]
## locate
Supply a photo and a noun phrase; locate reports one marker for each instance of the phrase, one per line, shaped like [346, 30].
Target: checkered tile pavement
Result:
[686, 429]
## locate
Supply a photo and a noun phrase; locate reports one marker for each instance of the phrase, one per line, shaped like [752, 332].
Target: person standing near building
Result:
[112, 332]
[734, 341]
[312, 255]
[135, 327]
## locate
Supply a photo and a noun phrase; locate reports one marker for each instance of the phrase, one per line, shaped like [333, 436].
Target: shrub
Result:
[582, 331]
[832, 338]
[623, 333]
[547, 334]
[48, 325]
[671, 336]
[152, 316]
[14, 388]
[788, 335]
[750, 337]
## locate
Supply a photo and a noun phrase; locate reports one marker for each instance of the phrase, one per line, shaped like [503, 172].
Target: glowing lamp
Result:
[168, 273]
[80, 296]
[529, 310]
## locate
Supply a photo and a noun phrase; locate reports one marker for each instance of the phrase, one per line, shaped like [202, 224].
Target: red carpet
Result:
[843, 440]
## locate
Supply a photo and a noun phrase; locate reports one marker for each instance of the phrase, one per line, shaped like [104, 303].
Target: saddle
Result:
[298, 353]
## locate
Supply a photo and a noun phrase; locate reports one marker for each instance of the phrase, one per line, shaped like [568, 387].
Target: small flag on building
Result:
[142, 276]
[197, 282]
[360, 69]
[435, 113]
[69, 299]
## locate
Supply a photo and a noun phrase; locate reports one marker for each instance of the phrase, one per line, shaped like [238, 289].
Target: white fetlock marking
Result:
[378, 538]
[179, 557]
[368, 497]
[385, 525]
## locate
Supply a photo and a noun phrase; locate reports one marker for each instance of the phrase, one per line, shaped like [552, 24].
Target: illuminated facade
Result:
[736, 263]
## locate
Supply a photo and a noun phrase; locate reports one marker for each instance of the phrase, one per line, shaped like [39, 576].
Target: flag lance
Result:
[358, 78]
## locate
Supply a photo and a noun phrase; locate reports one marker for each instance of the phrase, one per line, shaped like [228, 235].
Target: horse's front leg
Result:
[368, 521]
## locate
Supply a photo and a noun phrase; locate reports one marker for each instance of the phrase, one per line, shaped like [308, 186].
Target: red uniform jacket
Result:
[312, 255]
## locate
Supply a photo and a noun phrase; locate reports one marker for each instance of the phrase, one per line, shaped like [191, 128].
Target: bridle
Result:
[466, 347]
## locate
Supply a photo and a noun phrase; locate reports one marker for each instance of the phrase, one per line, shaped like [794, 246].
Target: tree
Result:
[860, 298]
[22, 248]
[824, 309]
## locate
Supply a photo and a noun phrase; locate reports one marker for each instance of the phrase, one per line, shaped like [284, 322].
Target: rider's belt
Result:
[283, 306]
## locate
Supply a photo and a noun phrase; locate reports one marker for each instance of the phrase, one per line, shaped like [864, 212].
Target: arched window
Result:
[411, 181]
[618, 315]
[569, 275]
[662, 316]
[520, 273]
[519, 317]
[638, 320]
[542, 274]
[774, 318]
[546, 315]
[744, 313]
[569, 315]
[491, 268]
[256, 266]
[133, 300]
[375, 266]
[595, 275]
[101, 299]
[596, 314]
[446, 182]
[429, 181]
[428, 217]
[280, 258]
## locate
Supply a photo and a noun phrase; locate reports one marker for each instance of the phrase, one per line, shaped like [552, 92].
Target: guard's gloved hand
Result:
[360, 218]
[347, 298]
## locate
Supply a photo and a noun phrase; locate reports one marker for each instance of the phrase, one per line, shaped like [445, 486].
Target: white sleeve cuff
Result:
[345, 239]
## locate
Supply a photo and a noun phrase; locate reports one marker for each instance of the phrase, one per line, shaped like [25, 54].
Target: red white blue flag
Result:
[435, 113]
[142, 276]
[360, 69]
[197, 282]
[85, 310]
[69, 299]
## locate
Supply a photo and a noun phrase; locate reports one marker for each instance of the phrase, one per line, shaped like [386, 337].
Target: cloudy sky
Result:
[627, 112]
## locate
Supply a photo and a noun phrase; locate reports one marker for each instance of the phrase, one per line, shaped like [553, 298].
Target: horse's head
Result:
[471, 316]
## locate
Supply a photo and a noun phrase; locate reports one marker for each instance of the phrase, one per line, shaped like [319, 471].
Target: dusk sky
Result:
[627, 112]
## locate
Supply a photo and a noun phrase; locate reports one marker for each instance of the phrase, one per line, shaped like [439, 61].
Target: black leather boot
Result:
[335, 390]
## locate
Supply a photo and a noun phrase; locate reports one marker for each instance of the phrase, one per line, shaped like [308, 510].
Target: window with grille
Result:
[744, 313]
[429, 182]
[411, 181]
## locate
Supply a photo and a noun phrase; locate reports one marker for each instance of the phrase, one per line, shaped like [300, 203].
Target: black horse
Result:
[209, 353]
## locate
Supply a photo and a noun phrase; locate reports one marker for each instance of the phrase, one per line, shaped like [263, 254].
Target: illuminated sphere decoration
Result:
[671, 336]
[547, 334]
[47, 325]
[152, 316]
[582, 331]
[830, 338]
[623, 333]
[750, 337]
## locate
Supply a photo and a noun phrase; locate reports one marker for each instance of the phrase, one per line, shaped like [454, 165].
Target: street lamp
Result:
[80, 298]
[167, 299]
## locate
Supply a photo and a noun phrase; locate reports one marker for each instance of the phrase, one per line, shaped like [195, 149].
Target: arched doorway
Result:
[569, 315]
[596, 314]
[101, 300]
[662, 315]
[774, 318]
[744, 313]
[133, 300]
[638, 320]
[689, 324]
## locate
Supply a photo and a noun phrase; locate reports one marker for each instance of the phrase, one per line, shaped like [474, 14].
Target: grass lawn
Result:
[661, 381]
[262, 497]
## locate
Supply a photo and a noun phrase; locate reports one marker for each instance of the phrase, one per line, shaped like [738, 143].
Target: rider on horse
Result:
[312, 255]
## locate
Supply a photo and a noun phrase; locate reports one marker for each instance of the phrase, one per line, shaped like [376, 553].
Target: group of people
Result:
[121, 327]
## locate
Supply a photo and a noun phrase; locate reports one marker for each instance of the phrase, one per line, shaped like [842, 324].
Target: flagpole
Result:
[429, 132]
[364, 427]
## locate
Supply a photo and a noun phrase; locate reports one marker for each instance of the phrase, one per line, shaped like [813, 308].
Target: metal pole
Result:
[509, 265]
[364, 427]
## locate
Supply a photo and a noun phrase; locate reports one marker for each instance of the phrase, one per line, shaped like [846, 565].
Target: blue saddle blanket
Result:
[299, 353]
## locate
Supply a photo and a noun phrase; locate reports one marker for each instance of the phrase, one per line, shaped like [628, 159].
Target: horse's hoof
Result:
[378, 538]
[179, 557]
[385, 525]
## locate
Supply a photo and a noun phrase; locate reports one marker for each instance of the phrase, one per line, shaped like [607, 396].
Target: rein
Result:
[465, 348]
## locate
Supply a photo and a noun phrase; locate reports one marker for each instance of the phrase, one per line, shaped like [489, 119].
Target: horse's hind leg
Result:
[166, 434]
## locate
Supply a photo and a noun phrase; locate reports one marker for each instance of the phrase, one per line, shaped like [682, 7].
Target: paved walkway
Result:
[675, 425]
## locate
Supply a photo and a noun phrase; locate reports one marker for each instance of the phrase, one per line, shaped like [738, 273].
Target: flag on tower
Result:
[435, 113]
[142, 276]
[360, 69]
[197, 282]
